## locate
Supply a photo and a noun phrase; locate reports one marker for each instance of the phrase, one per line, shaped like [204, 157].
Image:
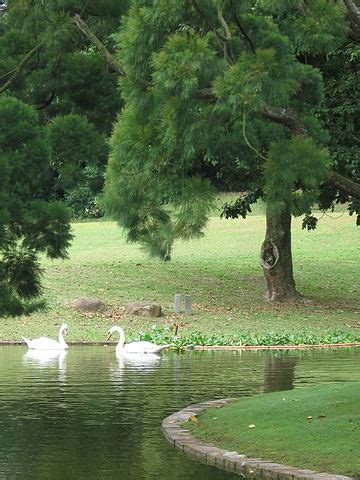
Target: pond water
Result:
[83, 414]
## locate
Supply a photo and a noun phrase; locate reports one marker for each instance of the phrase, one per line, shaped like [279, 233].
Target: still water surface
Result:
[83, 414]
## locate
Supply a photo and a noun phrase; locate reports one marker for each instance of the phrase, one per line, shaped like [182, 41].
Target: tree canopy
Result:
[216, 86]
[48, 63]
[28, 224]
[243, 96]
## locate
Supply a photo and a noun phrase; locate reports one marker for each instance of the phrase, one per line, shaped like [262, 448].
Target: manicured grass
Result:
[222, 272]
[316, 428]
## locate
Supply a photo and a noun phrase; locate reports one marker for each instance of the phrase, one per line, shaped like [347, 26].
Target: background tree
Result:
[28, 224]
[340, 113]
[79, 155]
[208, 84]
[48, 63]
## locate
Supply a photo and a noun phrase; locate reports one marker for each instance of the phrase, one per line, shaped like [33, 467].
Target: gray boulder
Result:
[143, 308]
[88, 304]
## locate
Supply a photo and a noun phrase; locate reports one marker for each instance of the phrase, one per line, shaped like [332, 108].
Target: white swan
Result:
[133, 347]
[45, 343]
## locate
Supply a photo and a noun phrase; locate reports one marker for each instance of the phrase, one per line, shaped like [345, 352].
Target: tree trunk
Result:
[276, 258]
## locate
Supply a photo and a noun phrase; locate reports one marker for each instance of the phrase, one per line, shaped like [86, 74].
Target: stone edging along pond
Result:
[212, 347]
[230, 461]
[275, 347]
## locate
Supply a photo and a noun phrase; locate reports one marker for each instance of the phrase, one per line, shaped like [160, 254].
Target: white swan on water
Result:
[133, 347]
[45, 343]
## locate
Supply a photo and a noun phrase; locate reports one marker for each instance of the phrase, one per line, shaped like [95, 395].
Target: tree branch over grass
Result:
[289, 118]
[344, 184]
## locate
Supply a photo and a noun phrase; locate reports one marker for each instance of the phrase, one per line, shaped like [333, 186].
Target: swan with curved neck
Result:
[133, 347]
[45, 343]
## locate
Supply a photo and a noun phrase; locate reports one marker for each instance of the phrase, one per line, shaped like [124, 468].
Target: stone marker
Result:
[143, 308]
[188, 304]
[88, 304]
[177, 303]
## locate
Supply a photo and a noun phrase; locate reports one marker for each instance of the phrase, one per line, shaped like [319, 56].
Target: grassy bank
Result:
[316, 428]
[221, 271]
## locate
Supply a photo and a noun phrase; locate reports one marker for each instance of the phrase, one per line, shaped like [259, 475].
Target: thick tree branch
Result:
[286, 117]
[47, 102]
[289, 118]
[227, 39]
[344, 184]
[224, 24]
[19, 68]
[245, 35]
[113, 64]
[7, 74]
[111, 60]
[207, 20]
[353, 12]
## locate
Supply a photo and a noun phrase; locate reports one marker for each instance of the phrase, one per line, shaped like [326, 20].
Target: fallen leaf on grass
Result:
[193, 418]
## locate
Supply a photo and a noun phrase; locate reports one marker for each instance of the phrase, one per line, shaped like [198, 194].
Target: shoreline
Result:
[233, 462]
[210, 347]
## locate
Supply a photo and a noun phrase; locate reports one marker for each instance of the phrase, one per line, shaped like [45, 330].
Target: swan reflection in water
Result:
[135, 362]
[47, 358]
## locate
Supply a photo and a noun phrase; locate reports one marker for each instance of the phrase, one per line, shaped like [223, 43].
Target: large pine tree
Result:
[213, 87]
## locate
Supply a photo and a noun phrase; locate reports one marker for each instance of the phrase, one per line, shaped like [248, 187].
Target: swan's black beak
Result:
[109, 336]
[65, 332]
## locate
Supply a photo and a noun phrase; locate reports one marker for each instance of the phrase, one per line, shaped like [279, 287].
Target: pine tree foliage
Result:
[198, 75]
[28, 224]
[64, 74]
[321, 30]
[294, 171]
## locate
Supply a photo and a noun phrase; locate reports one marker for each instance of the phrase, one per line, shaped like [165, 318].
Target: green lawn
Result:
[222, 272]
[316, 428]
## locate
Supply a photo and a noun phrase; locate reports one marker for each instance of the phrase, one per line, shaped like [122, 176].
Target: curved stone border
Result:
[230, 461]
